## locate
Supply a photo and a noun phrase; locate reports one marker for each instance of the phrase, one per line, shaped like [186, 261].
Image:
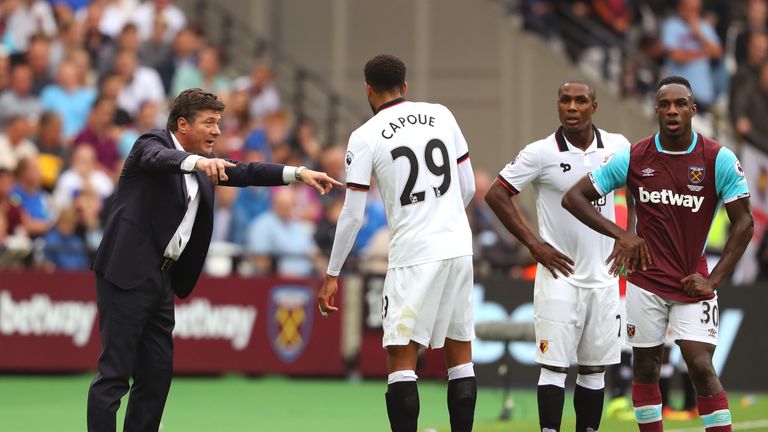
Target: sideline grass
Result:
[34, 403]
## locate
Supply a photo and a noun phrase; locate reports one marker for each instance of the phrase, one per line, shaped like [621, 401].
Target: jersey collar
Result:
[391, 103]
[689, 150]
[564, 145]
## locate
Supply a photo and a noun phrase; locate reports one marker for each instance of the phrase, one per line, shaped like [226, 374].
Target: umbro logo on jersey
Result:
[566, 167]
[666, 196]
[648, 172]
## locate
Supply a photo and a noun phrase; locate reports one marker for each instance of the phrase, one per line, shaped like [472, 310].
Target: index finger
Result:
[331, 180]
[228, 164]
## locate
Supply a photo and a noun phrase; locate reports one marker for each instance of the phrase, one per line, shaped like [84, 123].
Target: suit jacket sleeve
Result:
[254, 174]
[150, 154]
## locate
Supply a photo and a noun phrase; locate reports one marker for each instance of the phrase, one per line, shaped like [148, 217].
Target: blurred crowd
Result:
[80, 80]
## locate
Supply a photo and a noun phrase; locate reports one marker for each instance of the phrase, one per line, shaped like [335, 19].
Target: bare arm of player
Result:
[615, 269]
[742, 227]
[629, 250]
[501, 201]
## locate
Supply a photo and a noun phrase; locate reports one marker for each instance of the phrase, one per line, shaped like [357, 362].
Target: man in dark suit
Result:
[155, 242]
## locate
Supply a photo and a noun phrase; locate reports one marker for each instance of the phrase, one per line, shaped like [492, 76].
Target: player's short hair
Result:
[385, 72]
[189, 103]
[674, 79]
[590, 88]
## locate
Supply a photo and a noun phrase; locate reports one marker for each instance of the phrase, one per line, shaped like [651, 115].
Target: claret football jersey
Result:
[551, 166]
[413, 149]
[676, 196]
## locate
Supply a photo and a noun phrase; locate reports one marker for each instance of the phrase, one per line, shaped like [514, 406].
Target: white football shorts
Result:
[576, 324]
[649, 315]
[428, 302]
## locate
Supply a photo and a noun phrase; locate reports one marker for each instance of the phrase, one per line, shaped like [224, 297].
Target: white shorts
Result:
[428, 302]
[574, 323]
[649, 315]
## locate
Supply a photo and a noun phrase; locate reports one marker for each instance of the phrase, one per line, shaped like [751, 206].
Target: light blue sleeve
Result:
[612, 174]
[709, 32]
[730, 182]
[671, 31]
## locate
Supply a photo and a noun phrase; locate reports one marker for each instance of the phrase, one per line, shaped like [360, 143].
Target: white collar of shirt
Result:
[184, 232]
[573, 149]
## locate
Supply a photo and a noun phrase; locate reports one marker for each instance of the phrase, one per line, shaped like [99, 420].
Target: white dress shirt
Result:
[184, 232]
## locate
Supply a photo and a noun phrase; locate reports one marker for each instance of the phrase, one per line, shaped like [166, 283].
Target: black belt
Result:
[166, 264]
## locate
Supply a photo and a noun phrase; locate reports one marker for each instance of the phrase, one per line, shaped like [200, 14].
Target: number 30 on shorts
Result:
[710, 312]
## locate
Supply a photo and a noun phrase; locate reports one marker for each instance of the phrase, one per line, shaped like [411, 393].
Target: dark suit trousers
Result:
[136, 328]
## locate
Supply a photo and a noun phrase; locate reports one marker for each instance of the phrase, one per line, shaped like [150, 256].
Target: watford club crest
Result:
[290, 320]
[543, 345]
[696, 174]
[630, 331]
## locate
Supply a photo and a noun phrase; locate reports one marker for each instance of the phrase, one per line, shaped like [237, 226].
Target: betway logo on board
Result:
[666, 196]
[199, 319]
[41, 316]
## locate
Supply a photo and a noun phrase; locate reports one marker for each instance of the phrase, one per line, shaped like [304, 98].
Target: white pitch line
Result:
[749, 425]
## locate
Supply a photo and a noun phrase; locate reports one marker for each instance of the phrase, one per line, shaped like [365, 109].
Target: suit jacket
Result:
[149, 203]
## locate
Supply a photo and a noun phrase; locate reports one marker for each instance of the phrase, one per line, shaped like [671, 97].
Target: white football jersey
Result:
[413, 149]
[552, 165]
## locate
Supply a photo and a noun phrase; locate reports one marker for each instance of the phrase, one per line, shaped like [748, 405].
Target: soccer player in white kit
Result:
[420, 160]
[576, 296]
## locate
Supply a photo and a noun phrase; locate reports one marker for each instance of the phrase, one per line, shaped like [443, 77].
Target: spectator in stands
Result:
[69, 97]
[206, 74]
[145, 120]
[222, 213]
[34, 202]
[539, 16]
[691, 45]
[15, 142]
[141, 83]
[88, 206]
[127, 39]
[747, 76]
[71, 37]
[37, 57]
[305, 143]
[751, 112]
[63, 249]
[186, 47]
[757, 22]
[249, 204]
[97, 133]
[278, 235]
[83, 174]
[10, 210]
[496, 250]
[5, 70]
[264, 98]
[115, 15]
[52, 150]
[326, 228]
[157, 53]
[27, 18]
[95, 41]
[18, 99]
[147, 12]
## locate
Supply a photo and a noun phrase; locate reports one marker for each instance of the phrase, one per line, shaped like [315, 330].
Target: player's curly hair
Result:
[189, 103]
[385, 72]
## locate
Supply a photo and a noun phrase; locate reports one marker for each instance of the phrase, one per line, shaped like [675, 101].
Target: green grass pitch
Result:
[235, 403]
